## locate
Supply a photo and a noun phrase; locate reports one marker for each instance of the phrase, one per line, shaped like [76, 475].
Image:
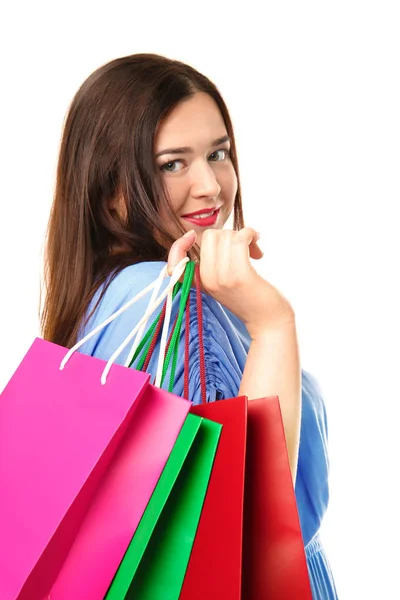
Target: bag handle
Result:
[191, 269]
[177, 273]
[170, 350]
[199, 307]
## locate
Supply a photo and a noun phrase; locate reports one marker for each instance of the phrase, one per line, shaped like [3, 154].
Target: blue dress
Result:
[226, 344]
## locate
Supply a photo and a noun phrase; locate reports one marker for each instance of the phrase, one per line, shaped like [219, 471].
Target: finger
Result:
[208, 257]
[179, 249]
[250, 236]
[255, 251]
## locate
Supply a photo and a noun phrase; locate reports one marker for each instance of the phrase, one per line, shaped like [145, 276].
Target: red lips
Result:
[202, 221]
[203, 211]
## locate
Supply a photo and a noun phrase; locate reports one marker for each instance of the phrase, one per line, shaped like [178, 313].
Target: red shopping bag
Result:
[215, 566]
[274, 562]
[248, 547]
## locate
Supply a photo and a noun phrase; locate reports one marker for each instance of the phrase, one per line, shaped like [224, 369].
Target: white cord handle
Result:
[143, 327]
[164, 336]
[177, 273]
[111, 318]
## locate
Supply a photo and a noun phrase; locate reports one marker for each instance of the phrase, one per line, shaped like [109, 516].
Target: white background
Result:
[313, 88]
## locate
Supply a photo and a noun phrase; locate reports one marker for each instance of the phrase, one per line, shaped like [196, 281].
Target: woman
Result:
[148, 172]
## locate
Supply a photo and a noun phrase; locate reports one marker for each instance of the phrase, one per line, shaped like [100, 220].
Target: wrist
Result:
[285, 323]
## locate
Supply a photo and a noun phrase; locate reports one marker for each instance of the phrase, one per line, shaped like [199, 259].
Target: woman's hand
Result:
[228, 276]
[273, 364]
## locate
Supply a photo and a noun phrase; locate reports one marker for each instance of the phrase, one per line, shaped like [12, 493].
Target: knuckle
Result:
[237, 240]
[208, 234]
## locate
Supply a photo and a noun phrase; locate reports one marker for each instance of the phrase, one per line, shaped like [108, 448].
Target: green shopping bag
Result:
[155, 563]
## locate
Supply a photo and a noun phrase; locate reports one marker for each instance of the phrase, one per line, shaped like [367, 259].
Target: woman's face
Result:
[192, 152]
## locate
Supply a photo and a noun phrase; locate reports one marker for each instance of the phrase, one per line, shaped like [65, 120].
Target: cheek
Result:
[177, 191]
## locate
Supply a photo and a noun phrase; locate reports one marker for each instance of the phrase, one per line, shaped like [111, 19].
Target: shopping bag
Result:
[155, 563]
[137, 546]
[49, 466]
[121, 498]
[60, 428]
[255, 542]
[274, 562]
[215, 566]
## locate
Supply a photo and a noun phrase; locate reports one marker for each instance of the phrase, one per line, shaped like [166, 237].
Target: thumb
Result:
[179, 249]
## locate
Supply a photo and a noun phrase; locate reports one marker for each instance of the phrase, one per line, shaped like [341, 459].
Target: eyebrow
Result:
[188, 150]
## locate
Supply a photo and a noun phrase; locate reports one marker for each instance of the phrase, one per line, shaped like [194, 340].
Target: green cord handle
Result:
[173, 349]
[149, 335]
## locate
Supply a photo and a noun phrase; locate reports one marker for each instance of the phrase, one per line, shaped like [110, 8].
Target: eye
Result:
[220, 155]
[170, 167]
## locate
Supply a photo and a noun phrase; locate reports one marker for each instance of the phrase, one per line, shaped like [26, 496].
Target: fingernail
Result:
[189, 233]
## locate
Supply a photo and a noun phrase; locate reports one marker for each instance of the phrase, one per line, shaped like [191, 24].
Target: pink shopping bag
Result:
[121, 498]
[60, 432]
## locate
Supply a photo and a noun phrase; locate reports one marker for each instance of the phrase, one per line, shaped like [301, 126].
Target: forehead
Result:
[194, 121]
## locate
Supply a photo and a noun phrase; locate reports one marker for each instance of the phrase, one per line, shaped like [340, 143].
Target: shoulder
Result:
[120, 288]
[113, 295]
[130, 280]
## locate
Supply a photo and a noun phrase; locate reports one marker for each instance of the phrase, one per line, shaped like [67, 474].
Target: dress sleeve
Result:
[312, 490]
[224, 352]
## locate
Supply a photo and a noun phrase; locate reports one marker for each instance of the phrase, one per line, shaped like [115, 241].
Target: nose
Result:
[204, 181]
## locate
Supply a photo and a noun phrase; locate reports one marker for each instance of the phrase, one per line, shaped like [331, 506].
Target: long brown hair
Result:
[106, 153]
